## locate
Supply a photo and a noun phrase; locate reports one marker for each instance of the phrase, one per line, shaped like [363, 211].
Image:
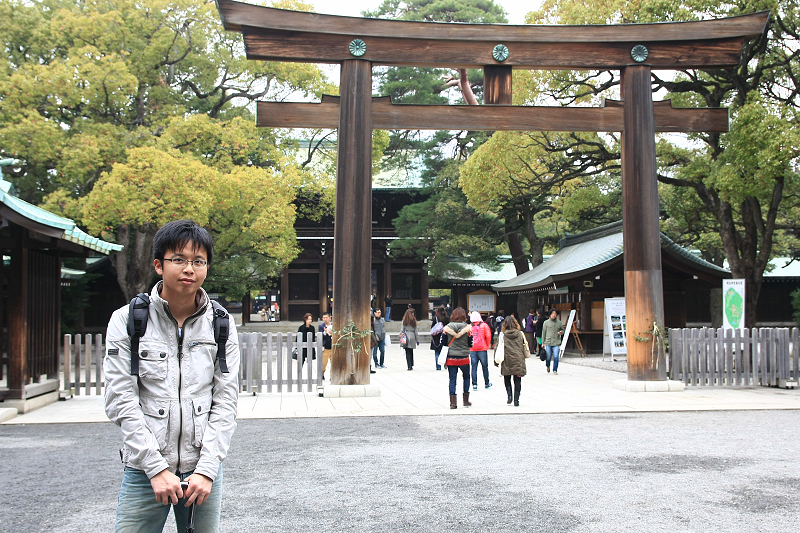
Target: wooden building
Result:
[588, 267]
[33, 242]
[306, 285]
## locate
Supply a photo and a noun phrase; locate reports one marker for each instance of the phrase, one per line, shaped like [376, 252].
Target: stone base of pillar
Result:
[649, 386]
[351, 391]
[31, 404]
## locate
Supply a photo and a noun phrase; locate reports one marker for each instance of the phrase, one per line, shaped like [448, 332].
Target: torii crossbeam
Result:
[358, 44]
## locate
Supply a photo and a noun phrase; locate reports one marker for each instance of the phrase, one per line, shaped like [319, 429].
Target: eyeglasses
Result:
[181, 262]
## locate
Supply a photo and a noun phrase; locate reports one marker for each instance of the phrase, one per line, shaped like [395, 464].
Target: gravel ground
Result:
[654, 472]
[596, 361]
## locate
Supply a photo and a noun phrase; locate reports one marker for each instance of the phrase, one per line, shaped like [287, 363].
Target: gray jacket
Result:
[411, 336]
[180, 414]
[380, 329]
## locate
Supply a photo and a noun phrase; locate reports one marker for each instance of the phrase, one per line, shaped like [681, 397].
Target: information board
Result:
[482, 303]
[733, 304]
[616, 326]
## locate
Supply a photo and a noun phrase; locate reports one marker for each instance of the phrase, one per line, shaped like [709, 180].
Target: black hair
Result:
[177, 234]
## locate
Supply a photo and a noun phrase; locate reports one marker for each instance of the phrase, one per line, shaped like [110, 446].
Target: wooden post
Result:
[353, 227]
[424, 290]
[641, 237]
[284, 308]
[18, 314]
[323, 286]
[387, 281]
[497, 85]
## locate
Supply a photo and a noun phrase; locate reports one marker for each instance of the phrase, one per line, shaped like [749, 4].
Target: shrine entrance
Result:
[357, 44]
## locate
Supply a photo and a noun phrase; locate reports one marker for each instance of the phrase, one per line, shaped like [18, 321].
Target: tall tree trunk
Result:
[134, 263]
[515, 247]
[536, 244]
[246, 305]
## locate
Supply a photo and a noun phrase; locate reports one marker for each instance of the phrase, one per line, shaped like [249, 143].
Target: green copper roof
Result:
[71, 231]
[589, 251]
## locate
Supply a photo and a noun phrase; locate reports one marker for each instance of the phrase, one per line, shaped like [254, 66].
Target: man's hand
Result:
[199, 489]
[167, 487]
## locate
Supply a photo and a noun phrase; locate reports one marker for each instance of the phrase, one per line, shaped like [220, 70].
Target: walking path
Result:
[423, 391]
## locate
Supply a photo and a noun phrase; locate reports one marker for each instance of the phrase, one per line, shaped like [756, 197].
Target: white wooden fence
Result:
[734, 358]
[276, 360]
[265, 360]
[81, 354]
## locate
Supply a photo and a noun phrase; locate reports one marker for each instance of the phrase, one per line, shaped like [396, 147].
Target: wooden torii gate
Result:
[357, 44]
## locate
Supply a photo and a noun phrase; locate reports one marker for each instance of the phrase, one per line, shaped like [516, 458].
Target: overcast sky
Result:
[516, 9]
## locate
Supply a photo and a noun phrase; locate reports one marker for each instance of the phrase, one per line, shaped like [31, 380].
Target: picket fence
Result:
[734, 358]
[264, 360]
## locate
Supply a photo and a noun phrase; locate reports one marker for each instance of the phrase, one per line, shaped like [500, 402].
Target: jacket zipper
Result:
[180, 373]
[180, 386]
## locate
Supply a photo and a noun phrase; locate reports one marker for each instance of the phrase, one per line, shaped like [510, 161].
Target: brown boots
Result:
[454, 403]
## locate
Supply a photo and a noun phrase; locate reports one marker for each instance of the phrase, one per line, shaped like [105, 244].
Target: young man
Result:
[327, 335]
[380, 333]
[178, 414]
[551, 337]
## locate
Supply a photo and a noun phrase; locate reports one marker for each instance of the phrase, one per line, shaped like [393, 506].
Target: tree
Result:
[94, 98]
[249, 210]
[447, 232]
[82, 82]
[745, 180]
[535, 179]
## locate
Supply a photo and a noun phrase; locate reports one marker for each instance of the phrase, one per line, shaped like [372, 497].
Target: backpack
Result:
[139, 311]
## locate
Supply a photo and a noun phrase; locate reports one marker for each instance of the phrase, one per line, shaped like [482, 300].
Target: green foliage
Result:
[448, 233]
[81, 83]
[126, 115]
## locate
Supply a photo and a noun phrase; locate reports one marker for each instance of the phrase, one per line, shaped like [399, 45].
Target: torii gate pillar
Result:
[352, 233]
[641, 237]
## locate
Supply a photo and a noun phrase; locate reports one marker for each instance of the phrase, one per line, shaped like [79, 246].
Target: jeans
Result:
[483, 358]
[139, 512]
[382, 345]
[388, 313]
[552, 355]
[436, 354]
[454, 373]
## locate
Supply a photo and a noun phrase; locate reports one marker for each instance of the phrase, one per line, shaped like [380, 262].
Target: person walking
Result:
[458, 357]
[479, 352]
[551, 337]
[379, 329]
[438, 340]
[388, 302]
[326, 330]
[515, 350]
[530, 329]
[409, 328]
[308, 332]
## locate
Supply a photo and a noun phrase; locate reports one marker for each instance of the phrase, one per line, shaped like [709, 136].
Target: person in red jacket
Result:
[479, 352]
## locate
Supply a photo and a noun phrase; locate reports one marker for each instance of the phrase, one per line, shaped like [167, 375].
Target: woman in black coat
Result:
[308, 334]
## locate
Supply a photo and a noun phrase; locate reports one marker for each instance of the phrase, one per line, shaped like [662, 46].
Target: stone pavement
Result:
[423, 391]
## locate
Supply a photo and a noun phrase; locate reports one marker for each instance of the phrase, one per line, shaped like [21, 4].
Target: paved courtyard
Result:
[577, 455]
[686, 471]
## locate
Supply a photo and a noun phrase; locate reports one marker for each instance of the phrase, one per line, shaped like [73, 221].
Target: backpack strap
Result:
[138, 311]
[221, 326]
